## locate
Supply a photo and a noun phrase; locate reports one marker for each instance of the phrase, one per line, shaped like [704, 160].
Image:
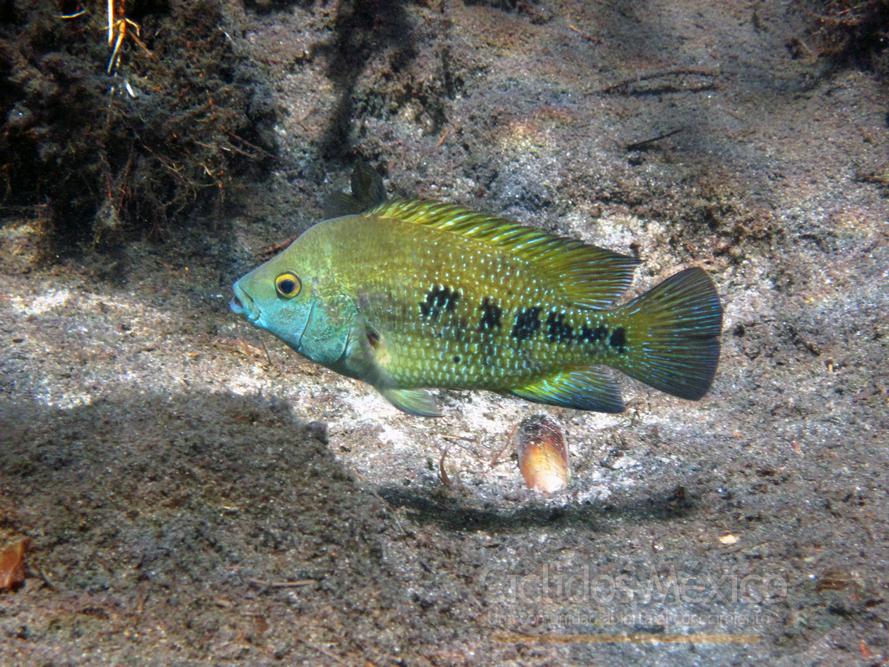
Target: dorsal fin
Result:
[591, 277]
[368, 191]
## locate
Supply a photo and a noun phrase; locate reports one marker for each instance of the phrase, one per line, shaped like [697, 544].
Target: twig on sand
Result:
[623, 87]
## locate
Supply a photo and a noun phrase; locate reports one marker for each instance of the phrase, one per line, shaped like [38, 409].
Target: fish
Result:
[409, 295]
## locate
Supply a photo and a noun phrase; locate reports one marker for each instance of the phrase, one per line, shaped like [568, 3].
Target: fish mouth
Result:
[242, 304]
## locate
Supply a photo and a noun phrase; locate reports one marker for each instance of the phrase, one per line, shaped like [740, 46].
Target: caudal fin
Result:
[673, 335]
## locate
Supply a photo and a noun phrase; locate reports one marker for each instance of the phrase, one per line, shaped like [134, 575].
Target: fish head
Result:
[295, 297]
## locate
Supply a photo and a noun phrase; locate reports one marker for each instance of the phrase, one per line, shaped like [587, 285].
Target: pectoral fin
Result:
[362, 360]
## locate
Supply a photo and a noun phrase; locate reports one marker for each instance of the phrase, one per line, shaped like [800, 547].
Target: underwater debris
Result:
[117, 31]
[131, 154]
[12, 564]
[852, 32]
[543, 454]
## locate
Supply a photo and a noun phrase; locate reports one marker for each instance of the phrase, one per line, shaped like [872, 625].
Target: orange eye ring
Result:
[287, 285]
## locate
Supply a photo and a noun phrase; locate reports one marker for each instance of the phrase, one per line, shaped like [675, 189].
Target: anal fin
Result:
[584, 388]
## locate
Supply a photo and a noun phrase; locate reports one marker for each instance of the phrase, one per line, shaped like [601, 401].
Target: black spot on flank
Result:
[618, 339]
[527, 322]
[557, 330]
[456, 358]
[490, 316]
[438, 299]
[588, 335]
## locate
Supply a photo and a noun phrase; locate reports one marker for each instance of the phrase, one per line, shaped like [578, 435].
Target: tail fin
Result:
[677, 326]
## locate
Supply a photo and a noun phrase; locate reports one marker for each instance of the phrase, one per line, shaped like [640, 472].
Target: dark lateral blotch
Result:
[527, 322]
[557, 330]
[618, 339]
[595, 335]
[490, 315]
[438, 299]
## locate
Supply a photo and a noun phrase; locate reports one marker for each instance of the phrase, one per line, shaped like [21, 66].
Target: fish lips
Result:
[242, 304]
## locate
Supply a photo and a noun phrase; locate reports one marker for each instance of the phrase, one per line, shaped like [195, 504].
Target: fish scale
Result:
[416, 294]
[423, 347]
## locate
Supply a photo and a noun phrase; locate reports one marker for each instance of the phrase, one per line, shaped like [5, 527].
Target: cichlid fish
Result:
[414, 294]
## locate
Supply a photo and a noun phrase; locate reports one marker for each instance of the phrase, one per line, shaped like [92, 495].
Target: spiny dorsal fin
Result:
[591, 277]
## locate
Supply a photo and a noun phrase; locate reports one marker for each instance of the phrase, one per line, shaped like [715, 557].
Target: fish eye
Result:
[288, 285]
